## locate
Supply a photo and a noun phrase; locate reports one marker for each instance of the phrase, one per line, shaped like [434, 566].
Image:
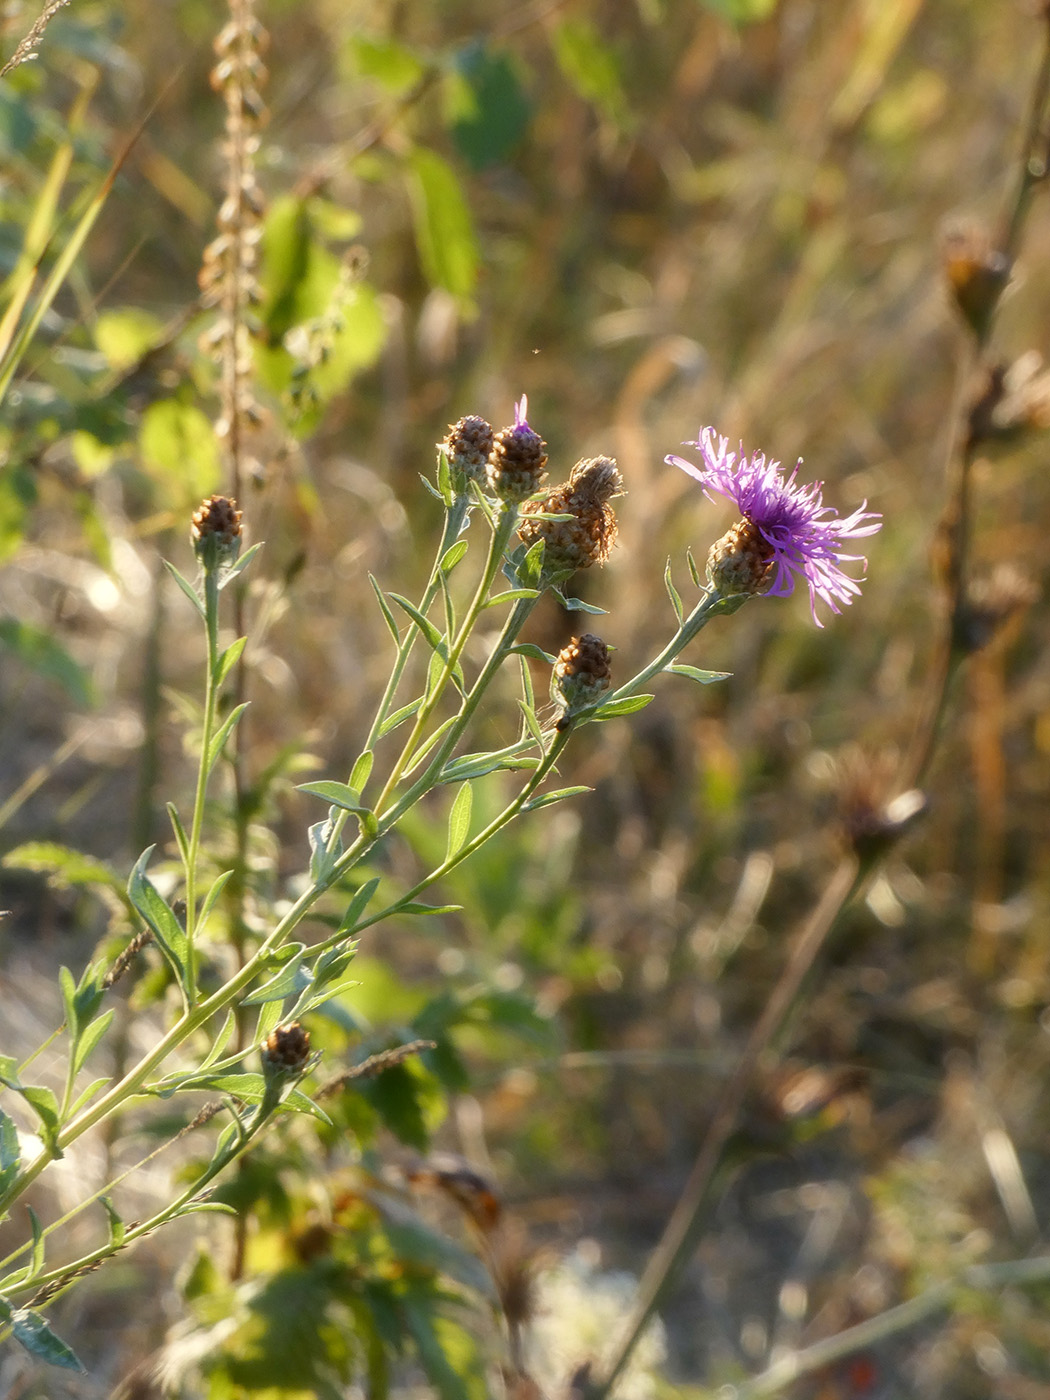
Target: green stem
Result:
[710, 605]
[505, 524]
[211, 618]
[455, 515]
[785, 1371]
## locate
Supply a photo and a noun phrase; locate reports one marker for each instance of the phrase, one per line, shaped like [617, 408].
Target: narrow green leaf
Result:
[116, 1224]
[529, 568]
[532, 724]
[186, 586]
[322, 860]
[430, 633]
[547, 798]
[228, 660]
[459, 821]
[385, 607]
[399, 716]
[510, 595]
[693, 570]
[91, 1037]
[10, 1152]
[218, 742]
[701, 677]
[361, 771]
[428, 744]
[37, 1259]
[614, 709]
[477, 765]
[235, 570]
[88, 1094]
[44, 1104]
[209, 1208]
[452, 556]
[158, 914]
[531, 650]
[528, 693]
[415, 907]
[221, 1041]
[577, 604]
[39, 1340]
[334, 793]
[290, 981]
[69, 990]
[673, 594]
[181, 839]
[212, 897]
[358, 904]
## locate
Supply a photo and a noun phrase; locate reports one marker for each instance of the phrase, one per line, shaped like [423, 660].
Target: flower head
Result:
[517, 461]
[794, 531]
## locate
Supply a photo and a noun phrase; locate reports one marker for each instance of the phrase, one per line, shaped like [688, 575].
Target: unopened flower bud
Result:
[286, 1050]
[517, 463]
[588, 537]
[467, 446]
[216, 532]
[741, 562]
[581, 674]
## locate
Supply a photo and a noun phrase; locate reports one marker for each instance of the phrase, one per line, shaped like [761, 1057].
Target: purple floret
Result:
[805, 535]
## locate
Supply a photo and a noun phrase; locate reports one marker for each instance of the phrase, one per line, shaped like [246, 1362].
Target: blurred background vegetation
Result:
[648, 215]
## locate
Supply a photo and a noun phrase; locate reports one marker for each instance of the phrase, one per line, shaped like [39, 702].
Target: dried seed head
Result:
[517, 462]
[871, 820]
[588, 537]
[216, 532]
[741, 562]
[467, 446]
[976, 272]
[581, 674]
[991, 604]
[286, 1050]
[1011, 400]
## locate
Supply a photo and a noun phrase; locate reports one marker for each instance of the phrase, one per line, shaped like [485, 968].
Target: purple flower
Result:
[804, 536]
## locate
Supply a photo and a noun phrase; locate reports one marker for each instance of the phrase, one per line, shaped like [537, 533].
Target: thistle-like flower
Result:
[589, 534]
[518, 461]
[786, 530]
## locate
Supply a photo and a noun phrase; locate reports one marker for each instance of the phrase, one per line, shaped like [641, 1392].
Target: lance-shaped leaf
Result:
[335, 794]
[476, 765]
[39, 1340]
[169, 934]
[673, 594]
[399, 716]
[292, 979]
[452, 556]
[547, 798]
[614, 709]
[224, 731]
[186, 586]
[385, 607]
[10, 1153]
[431, 635]
[322, 860]
[361, 771]
[358, 904]
[228, 660]
[577, 604]
[695, 674]
[459, 821]
[235, 570]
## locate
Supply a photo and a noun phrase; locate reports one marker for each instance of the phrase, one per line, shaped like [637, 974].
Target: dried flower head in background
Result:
[1011, 400]
[589, 535]
[976, 271]
[786, 531]
[517, 463]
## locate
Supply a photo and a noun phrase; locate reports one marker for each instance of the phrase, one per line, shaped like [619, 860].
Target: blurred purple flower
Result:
[805, 536]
